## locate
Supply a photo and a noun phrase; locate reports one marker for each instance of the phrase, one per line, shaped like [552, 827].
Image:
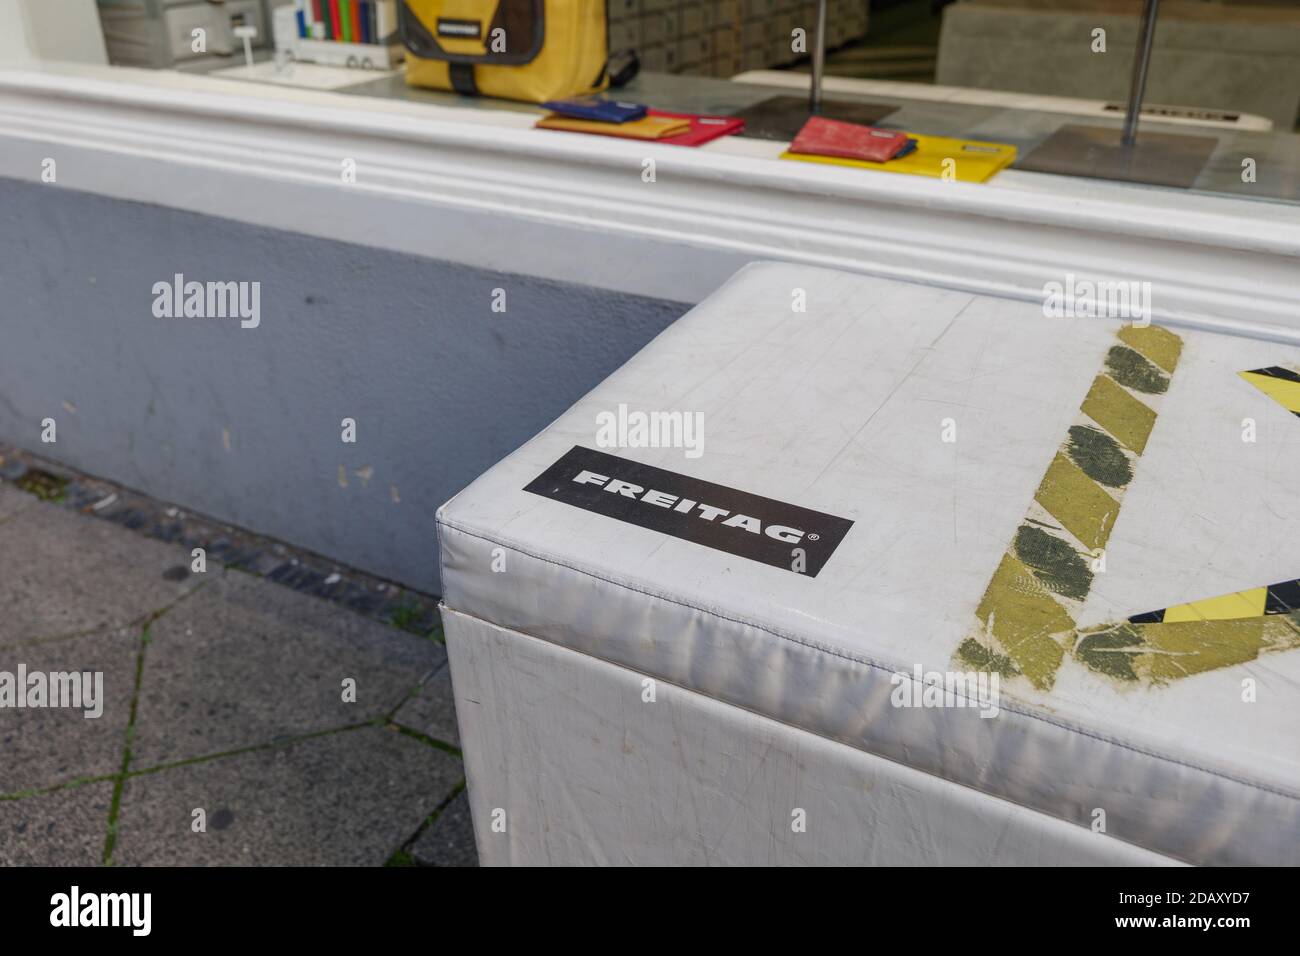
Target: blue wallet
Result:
[594, 108]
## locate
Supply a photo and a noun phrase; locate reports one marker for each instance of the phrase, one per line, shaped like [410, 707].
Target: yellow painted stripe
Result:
[1021, 617]
[1240, 604]
[1154, 343]
[1024, 618]
[1285, 393]
[1115, 410]
[1193, 647]
[1078, 502]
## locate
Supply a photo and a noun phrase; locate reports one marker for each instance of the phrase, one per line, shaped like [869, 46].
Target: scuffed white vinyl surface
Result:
[840, 409]
[579, 768]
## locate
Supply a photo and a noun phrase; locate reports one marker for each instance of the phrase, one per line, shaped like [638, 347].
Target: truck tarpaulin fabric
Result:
[530, 50]
[890, 559]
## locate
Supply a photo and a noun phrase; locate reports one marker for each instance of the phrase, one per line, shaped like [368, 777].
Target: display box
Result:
[847, 570]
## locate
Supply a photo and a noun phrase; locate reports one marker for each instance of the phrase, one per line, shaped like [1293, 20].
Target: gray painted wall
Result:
[441, 387]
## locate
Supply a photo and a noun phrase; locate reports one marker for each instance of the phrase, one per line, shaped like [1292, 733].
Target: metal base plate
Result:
[781, 117]
[1158, 159]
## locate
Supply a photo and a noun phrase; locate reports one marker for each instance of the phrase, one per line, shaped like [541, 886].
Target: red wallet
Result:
[828, 137]
[703, 129]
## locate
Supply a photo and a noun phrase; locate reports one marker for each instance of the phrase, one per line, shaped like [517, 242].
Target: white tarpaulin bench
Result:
[930, 582]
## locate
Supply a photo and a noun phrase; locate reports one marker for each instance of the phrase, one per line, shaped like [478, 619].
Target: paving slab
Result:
[44, 746]
[246, 662]
[13, 500]
[63, 828]
[67, 573]
[433, 710]
[449, 841]
[345, 799]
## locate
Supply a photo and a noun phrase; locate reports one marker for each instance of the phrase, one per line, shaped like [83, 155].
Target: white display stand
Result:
[638, 685]
[359, 56]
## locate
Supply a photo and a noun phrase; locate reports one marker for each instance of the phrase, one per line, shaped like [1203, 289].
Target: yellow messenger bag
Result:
[531, 50]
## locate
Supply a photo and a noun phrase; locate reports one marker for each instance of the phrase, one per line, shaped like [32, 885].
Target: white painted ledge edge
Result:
[1005, 99]
[484, 189]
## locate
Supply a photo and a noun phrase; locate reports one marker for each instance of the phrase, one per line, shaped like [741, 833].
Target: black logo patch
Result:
[461, 29]
[746, 525]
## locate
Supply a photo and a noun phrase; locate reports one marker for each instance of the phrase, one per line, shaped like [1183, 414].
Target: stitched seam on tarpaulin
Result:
[843, 655]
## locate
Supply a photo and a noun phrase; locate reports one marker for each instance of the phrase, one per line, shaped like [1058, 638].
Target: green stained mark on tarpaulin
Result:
[1130, 369]
[1099, 456]
[1110, 650]
[1058, 566]
[974, 654]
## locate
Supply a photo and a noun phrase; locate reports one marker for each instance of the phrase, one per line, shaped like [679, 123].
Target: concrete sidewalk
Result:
[223, 692]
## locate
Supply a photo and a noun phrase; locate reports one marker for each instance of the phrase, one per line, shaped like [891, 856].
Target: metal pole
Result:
[818, 60]
[1141, 60]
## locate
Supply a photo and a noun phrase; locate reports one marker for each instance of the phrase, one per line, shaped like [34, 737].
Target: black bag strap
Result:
[462, 78]
[622, 66]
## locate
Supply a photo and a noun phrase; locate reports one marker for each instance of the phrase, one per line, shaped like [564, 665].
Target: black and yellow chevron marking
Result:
[1030, 606]
[1028, 610]
[1281, 598]
[1280, 384]
[1215, 632]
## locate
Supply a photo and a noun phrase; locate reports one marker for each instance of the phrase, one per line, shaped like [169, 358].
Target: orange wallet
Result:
[650, 127]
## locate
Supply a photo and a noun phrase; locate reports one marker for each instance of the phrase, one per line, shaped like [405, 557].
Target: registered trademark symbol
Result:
[814, 536]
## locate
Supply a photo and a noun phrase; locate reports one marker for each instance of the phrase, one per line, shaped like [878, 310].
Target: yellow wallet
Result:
[648, 127]
[970, 161]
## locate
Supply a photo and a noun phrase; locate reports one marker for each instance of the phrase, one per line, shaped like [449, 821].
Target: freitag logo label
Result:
[725, 519]
[448, 27]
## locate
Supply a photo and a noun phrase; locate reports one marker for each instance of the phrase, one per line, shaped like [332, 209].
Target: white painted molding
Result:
[481, 188]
